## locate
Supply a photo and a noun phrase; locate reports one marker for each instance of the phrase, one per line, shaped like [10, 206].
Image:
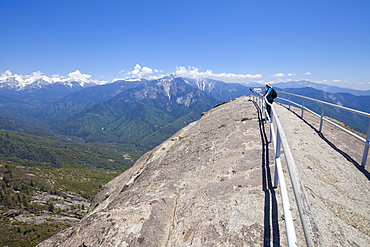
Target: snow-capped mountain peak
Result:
[39, 80]
[203, 84]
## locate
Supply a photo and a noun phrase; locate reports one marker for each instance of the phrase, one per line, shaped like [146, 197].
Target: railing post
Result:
[302, 108]
[321, 117]
[277, 155]
[366, 148]
[271, 122]
[264, 108]
[260, 102]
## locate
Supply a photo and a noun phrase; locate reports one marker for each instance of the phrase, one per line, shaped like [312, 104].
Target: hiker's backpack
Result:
[274, 94]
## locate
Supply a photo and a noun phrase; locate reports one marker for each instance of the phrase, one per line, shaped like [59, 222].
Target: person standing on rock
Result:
[270, 95]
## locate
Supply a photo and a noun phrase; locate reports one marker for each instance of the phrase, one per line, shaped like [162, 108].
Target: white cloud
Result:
[57, 77]
[278, 75]
[308, 73]
[5, 75]
[194, 73]
[37, 76]
[143, 72]
[140, 72]
[340, 81]
[78, 76]
[319, 81]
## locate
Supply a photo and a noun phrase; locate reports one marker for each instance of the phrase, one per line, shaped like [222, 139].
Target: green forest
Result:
[31, 165]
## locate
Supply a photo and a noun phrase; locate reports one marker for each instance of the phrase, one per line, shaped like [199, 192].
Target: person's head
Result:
[268, 85]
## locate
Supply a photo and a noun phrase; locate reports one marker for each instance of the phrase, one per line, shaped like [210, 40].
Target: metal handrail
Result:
[322, 118]
[279, 139]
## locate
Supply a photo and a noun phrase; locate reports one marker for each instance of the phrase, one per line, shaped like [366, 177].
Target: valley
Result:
[48, 184]
[37, 202]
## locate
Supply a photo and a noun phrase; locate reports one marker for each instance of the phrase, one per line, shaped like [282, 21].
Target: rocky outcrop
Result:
[210, 185]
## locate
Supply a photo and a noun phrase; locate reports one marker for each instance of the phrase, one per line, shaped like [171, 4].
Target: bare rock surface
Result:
[210, 185]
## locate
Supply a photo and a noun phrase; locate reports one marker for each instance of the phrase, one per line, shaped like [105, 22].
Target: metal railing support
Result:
[366, 148]
[277, 156]
[322, 116]
[271, 118]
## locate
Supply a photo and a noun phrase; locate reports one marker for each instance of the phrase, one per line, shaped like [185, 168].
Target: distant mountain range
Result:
[322, 87]
[136, 112]
[318, 86]
[144, 115]
[361, 103]
[77, 81]
[37, 80]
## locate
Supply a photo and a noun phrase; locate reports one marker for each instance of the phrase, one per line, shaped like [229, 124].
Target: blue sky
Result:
[325, 41]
